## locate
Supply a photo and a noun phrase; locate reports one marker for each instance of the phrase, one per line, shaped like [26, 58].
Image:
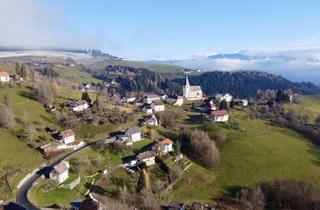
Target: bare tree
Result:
[6, 117]
[45, 93]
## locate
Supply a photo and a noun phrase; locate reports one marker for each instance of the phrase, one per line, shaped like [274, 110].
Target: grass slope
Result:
[260, 152]
[310, 106]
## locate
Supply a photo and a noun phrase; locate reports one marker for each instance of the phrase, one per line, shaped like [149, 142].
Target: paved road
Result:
[22, 194]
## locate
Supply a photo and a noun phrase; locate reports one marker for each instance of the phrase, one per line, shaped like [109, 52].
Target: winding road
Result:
[22, 193]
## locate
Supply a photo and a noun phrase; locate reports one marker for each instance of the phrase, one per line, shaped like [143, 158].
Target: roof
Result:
[166, 141]
[195, 88]
[158, 103]
[4, 74]
[132, 130]
[145, 155]
[89, 204]
[61, 168]
[153, 96]
[219, 113]
[67, 133]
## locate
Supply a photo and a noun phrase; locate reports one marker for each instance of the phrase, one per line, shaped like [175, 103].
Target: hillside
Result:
[246, 83]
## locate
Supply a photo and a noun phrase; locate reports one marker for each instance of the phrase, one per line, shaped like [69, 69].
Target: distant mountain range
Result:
[297, 65]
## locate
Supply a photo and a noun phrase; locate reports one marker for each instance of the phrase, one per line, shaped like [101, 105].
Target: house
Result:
[179, 101]
[192, 92]
[131, 99]
[208, 106]
[132, 135]
[163, 147]
[148, 157]
[60, 172]
[175, 205]
[78, 106]
[130, 161]
[241, 102]
[151, 98]
[4, 77]
[151, 121]
[158, 106]
[227, 97]
[67, 136]
[147, 109]
[219, 116]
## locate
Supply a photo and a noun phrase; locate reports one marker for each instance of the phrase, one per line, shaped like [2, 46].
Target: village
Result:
[155, 149]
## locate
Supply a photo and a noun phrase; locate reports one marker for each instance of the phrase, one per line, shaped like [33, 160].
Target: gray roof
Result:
[195, 88]
[132, 130]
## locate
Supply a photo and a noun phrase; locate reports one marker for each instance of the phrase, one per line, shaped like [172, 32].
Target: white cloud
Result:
[34, 24]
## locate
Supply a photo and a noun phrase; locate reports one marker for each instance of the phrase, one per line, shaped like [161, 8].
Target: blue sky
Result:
[169, 29]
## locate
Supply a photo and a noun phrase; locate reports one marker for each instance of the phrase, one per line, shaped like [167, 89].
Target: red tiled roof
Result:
[67, 133]
[61, 168]
[219, 113]
[4, 74]
[145, 155]
[166, 141]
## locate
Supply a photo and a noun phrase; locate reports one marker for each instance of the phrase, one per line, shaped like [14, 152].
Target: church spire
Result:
[187, 82]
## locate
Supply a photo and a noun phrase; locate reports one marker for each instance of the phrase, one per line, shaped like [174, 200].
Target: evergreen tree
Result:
[17, 69]
[23, 71]
[85, 96]
[223, 105]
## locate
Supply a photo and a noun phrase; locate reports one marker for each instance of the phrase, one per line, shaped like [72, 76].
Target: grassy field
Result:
[75, 75]
[160, 68]
[310, 106]
[260, 152]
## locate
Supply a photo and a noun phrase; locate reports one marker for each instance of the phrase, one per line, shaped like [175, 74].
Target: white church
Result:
[192, 92]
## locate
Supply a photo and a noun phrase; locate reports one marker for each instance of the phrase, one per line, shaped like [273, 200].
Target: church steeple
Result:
[187, 82]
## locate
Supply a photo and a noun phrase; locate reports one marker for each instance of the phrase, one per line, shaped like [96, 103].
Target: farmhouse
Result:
[78, 106]
[227, 97]
[132, 135]
[208, 106]
[147, 157]
[60, 172]
[4, 77]
[67, 136]
[219, 116]
[158, 106]
[151, 98]
[192, 92]
[241, 102]
[151, 121]
[163, 147]
[179, 101]
[147, 109]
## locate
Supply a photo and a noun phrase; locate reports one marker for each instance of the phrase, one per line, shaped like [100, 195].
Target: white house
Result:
[147, 109]
[149, 158]
[133, 135]
[151, 121]
[67, 136]
[131, 99]
[192, 92]
[60, 172]
[78, 106]
[163, 147]
[227, 97]
[208, 106]
[158, 106]
[4, 76]
[151, 98]
[179, 101]
[219, 116]
[241, 102]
